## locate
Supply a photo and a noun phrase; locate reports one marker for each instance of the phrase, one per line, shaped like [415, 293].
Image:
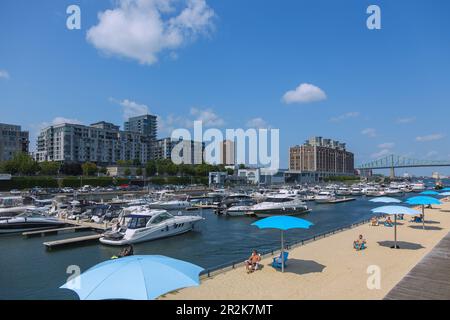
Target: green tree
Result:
[136, 162]
[49, 168]
[242, 166]
[127, 172]
[150, 168]
[103, 170]
[21, 163]
[139, 171]
[89, 168]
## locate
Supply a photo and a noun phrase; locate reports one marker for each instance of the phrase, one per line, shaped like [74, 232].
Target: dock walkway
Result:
[71, 241]
[429, 279]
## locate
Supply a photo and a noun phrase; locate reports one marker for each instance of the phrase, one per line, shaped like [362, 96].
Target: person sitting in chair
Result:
[252, 262]
[418, 218]
[388, 222]
[360, 243]
[374, 222]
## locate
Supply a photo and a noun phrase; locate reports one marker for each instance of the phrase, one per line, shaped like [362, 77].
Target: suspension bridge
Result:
[393, 162]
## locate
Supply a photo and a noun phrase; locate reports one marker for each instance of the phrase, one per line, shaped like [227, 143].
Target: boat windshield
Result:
[137, 222]
[278, 200]
[161, 217]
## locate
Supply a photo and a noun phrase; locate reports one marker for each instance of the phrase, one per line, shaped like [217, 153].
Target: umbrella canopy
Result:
[445, 194]
[282, 223]
[395, 210]
[430, 193]
[446, 189]
[134, 278]
[424, 201]
[385, 200]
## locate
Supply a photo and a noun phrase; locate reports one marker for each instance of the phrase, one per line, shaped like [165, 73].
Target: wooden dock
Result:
[429, 279]
[71, 241]
[54, 231]
[341, 200]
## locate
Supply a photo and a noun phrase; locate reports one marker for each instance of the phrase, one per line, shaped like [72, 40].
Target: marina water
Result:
[29, 271]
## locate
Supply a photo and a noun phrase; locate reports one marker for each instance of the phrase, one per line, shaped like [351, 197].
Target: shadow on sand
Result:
[402, 244]
[302, 267]
[431, 228]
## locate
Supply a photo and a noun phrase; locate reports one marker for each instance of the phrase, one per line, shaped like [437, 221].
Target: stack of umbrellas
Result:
[402, 210]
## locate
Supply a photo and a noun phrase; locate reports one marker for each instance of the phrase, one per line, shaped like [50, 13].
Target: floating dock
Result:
[341, 200]
[54, 231]
[71, 241]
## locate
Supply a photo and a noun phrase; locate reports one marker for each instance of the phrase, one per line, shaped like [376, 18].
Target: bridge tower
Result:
[392, 167]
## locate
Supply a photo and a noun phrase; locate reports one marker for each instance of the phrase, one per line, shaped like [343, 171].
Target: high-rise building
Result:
[145, 125]
[102, 142]
[162, 149]
[12, 141]
[228, 153]
[320, 158]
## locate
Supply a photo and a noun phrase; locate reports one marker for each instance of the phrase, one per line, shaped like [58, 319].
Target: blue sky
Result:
[231, 62]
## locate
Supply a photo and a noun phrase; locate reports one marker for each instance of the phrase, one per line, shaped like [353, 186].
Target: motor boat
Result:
[29, 220]
[356, 191]
[240, 208]
[343, 191]
[170, 205]
[150, 225]
[279, 205]
[418, 187]
[325, 197]
[374, 192]
[393, 191]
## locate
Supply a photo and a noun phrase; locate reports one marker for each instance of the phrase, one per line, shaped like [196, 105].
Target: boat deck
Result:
[429, 279]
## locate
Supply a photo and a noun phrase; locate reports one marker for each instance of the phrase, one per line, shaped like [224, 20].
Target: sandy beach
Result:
[330, 268]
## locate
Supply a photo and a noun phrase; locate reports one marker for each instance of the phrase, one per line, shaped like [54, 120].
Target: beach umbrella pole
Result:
[395, 232]
[282, 251]
[423, 217]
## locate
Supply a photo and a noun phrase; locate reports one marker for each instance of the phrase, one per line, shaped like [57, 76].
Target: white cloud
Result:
[386, 145]
[304, 93]
[381, 153]
[431, 137]
[345, 116]
[370, 132]
[142, 29]
[61, 120]
[133, 109]
[4, 74]
[208, 117]
[406, 120]
[257, 123]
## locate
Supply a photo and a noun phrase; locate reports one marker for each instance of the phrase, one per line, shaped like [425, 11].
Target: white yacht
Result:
[418, 187]
[393, 191]
[149, 225]
[325, 197]
[279, 205]
[356, 191]
[170, 205]
[374, 192]
[29, 220]
[343, 191]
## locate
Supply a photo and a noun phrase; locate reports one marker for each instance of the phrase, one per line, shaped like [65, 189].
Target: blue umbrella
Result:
[430, 193]
[395, 210]
[282, 223]
[385, 200]
[134, 278]
[446, 189]
[423, 201]
[445, 194]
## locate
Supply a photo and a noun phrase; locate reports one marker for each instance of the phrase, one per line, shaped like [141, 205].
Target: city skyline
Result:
[380, 90]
